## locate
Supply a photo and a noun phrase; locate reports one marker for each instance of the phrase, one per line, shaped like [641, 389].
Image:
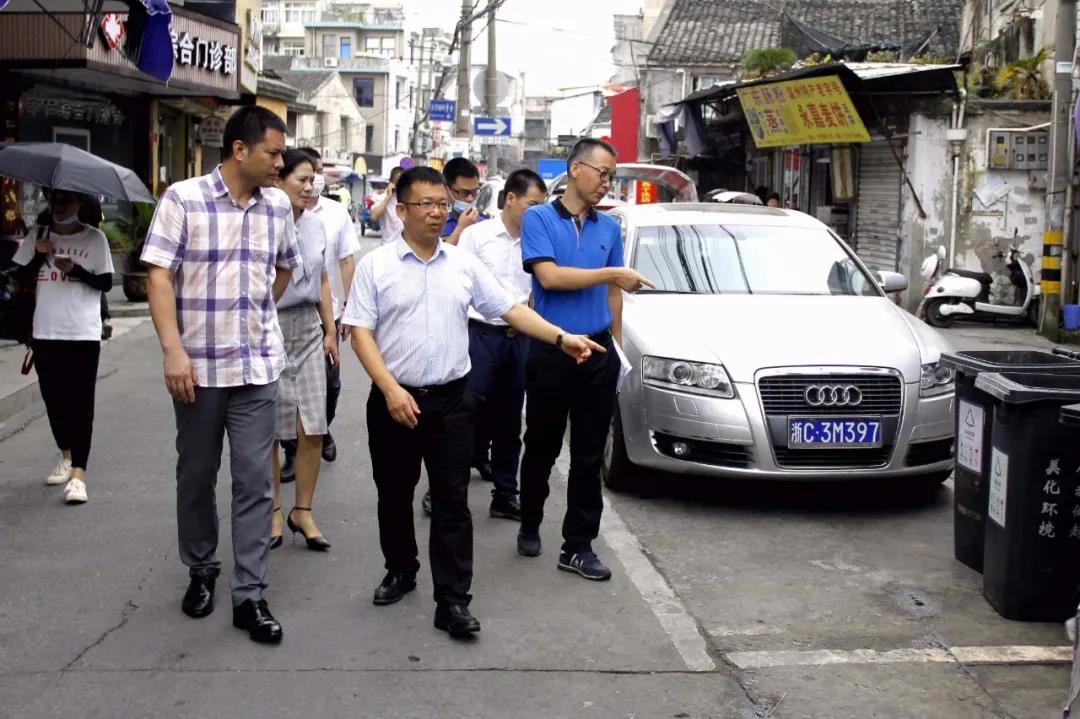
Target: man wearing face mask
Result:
[340, 261]
[463, 179]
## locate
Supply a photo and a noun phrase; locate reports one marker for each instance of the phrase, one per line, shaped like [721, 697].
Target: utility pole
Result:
[491, 87]
[464, 111]
[1060, 168]
[418, 95]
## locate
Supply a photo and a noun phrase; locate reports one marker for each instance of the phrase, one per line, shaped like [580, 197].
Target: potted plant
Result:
[134, 273]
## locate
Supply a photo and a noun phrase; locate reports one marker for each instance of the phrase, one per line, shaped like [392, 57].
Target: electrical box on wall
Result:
[1018, 150]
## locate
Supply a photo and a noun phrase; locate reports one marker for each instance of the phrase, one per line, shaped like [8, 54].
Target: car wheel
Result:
[617, 471]
[1033, 312]
[934, 318]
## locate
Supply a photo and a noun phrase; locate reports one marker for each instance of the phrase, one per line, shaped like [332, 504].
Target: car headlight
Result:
[936, 379]
[690, 376]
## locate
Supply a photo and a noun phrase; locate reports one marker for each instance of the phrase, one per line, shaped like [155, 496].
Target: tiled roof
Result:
[307, 82]
[718, 32]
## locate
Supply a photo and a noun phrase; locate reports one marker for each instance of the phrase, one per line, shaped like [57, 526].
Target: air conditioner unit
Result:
[330, 62]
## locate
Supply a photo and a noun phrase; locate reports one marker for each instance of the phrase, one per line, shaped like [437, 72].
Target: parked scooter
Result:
[952, 294]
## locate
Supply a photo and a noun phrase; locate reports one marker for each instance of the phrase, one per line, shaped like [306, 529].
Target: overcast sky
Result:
[556, 43]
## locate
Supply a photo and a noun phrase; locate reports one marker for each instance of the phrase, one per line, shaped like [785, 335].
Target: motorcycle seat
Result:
[983, 277]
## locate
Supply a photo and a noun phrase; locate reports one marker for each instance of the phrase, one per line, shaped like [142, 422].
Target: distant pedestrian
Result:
[773, 200]
[341, 248]
[763, 193]
[305, 313]
[575, 255]
[498, 351]
[221, 249]
[409, 309]
[72, 267]
[385, 211]
[463, 179]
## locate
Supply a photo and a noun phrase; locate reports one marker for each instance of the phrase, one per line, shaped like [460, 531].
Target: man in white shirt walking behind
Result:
[497, 350]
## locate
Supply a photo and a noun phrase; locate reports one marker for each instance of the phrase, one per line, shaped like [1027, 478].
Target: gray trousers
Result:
[246, 413]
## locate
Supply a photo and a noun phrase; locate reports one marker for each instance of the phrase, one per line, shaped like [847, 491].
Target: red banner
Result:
[625, 117]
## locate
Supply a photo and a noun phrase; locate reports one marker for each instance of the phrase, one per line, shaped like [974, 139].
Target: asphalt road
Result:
[739, 601]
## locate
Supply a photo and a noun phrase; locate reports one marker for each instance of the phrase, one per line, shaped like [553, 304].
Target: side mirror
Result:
[892, 281]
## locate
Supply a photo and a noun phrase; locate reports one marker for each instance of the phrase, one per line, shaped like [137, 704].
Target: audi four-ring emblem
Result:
[833, 395]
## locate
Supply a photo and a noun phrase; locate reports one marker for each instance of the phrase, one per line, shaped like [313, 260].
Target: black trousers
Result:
[67, 375]
[560, 390]
[443, 440]
[498, 377]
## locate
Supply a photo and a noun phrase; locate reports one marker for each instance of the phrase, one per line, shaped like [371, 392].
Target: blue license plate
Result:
[837, 433]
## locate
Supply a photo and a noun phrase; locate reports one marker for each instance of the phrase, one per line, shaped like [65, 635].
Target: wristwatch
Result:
[558, 340]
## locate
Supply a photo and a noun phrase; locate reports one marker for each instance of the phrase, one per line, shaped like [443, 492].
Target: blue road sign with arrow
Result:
[491, 126]
[441, 110]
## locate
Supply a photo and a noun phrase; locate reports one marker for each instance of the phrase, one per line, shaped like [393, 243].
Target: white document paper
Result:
[624, 366]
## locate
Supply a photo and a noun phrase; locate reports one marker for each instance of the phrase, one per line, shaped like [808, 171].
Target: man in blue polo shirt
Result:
[575, 256]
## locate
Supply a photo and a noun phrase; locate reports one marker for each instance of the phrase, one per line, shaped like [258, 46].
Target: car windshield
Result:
[748, 259]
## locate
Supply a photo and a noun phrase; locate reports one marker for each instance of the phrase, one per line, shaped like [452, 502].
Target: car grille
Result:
[929, 452]
[882, 394]
[719, 454]
[832, 458]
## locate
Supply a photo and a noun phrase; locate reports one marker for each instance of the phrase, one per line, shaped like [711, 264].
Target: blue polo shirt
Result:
[451, 224]
[549, 232]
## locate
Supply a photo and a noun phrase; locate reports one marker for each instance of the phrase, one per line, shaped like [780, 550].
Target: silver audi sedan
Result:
[769, 351]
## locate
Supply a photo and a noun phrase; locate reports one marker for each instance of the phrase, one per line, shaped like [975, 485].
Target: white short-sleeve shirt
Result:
[66, 308]
[419, 311]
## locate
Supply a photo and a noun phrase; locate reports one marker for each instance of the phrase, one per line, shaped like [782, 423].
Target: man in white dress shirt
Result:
[497, 350]
[409, 308]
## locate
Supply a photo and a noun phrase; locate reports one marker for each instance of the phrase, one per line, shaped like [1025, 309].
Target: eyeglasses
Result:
[607, 176]
[465, 193]
[429, 205]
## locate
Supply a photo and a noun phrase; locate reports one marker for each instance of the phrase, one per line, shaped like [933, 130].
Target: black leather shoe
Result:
[395, 586]
[329, 448]
[425, 503]
[255, 619]
[456, 619]
[485, 471]
[288, 470]
[199, 597]
[506, 509]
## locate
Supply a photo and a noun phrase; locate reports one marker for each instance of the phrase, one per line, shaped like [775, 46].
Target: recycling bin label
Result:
[999, 485]
[969, 439]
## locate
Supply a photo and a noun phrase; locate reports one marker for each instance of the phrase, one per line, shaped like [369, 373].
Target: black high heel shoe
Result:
[317, 544]
[276, 540]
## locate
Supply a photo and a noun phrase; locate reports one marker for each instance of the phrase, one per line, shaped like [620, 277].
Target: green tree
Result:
[1022, 79]
[766, 62]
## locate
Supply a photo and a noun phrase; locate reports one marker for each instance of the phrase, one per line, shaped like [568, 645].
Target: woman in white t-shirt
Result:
[73, 267]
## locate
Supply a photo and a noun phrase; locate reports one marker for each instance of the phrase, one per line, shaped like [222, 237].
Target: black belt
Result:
[601, 337]
[436, 389]
[507, 332]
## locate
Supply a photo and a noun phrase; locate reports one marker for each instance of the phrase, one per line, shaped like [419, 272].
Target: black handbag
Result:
[17, 303]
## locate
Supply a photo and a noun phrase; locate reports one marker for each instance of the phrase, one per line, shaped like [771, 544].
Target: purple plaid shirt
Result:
[224, 259]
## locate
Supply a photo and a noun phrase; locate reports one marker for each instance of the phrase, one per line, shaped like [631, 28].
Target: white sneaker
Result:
[75, 491]
[61, 473]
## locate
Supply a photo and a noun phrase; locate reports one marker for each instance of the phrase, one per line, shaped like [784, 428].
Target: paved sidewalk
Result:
[20, 398]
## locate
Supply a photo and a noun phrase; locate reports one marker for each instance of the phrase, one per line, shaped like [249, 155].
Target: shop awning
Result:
[875, 78]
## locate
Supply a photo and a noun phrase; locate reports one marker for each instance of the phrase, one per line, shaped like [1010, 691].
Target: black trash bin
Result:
[1031, 569]
[973, 422]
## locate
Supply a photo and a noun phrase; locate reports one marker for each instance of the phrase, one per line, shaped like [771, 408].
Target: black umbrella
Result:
[66, 167]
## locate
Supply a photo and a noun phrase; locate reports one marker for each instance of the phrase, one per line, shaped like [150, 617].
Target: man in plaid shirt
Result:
[221, 249]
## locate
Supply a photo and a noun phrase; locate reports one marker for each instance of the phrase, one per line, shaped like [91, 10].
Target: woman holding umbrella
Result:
[306, 316]
[72, 266]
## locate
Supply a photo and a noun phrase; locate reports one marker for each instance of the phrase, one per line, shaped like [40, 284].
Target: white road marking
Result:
[661, 598]
[953, 655]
